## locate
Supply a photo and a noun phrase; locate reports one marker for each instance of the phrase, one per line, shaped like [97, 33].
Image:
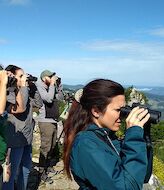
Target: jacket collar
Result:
[94, 127]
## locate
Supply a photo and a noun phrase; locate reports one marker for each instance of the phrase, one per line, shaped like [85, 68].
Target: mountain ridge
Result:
[156, 90]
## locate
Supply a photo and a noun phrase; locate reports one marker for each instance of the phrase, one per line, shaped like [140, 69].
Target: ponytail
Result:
[77, 121]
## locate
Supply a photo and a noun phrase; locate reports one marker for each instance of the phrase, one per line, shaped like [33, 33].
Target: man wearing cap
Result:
[47, 121]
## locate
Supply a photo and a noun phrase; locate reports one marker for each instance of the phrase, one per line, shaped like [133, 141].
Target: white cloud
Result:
[157, 32]
[131, 63]
[127, 47]
[143, 89]
[126, 70]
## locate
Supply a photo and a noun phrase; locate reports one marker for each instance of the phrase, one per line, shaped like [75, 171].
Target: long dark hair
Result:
[12, 68]
[98, 94]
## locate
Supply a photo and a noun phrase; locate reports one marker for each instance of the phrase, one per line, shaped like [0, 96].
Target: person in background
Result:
[92, 152]
[19, 130]
[3, 116]
[47, 121]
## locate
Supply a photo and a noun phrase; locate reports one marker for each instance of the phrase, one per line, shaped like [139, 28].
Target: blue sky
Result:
[81, 40]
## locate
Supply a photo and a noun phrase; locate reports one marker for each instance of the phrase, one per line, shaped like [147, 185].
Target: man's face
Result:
[47, 80]
[50, 80]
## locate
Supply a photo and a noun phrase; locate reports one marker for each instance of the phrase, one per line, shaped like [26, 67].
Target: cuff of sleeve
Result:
[134, 131]
[52, 86]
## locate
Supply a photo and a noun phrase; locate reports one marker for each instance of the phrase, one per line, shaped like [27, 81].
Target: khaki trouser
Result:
[48, 134]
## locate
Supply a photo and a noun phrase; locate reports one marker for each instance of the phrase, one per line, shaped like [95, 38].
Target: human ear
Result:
[95, 112]
[44, 79]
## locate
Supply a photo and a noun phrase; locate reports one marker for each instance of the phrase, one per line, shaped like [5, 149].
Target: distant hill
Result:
[159, 91]
[72, 87]
[155, 95]
[156, 102]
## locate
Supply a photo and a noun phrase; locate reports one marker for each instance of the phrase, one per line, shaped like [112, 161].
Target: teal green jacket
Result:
[96, 165]
[3, 145]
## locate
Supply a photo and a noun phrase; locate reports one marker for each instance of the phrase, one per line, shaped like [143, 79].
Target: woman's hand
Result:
[138, 116]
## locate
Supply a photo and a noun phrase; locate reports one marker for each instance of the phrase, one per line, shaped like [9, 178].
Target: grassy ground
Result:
[159, 150]
[158, 163]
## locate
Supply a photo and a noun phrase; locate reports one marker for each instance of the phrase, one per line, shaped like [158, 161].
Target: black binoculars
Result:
[12, 81]
[154, 114]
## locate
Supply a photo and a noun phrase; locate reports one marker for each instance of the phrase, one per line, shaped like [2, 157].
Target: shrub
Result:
[158, 169]
[159, 150]
[157, 131]
[61, 106]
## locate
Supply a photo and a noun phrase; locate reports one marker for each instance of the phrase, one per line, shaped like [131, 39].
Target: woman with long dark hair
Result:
[18, 107]
[19, 130]
[92, 152]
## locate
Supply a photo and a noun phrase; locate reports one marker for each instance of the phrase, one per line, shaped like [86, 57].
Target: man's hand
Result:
[53, 80]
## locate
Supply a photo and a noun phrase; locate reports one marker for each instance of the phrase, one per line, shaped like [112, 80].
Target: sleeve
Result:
[47, 96]
[25, 94]
[11, 98]
[59, 93]
[37, 100]
[105, 170]
[134, 155]
[35, 97]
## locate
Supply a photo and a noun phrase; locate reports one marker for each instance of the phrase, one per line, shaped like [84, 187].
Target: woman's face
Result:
[18, 76]
[111, 118]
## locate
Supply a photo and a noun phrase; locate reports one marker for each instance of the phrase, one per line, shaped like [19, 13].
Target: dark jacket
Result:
[3, 145]
[96, 165]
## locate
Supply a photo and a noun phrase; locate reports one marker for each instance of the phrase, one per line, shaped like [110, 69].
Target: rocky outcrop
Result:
[154, 184]
[136, 97]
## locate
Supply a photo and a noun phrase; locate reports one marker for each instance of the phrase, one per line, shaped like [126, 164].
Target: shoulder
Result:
[38, 82]
[86, 140]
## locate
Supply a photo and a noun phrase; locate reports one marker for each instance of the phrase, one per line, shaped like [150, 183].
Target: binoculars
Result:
[154, 114]
[12, 81]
